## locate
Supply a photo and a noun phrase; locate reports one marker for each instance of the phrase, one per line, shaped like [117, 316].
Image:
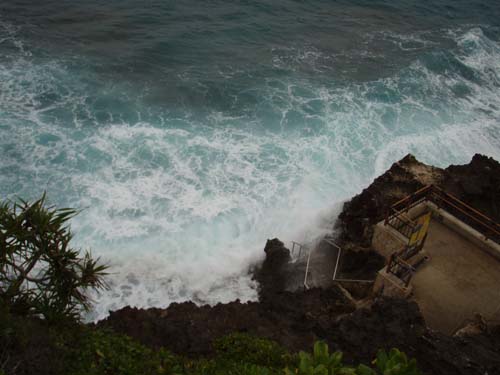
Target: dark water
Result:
[191, 131]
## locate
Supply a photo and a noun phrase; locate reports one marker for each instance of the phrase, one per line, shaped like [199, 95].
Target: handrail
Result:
[339, 254]
[487, 226]
[472, 217]
[419, 191]
[400, 268]
[307, 269]
[327, 240]
[354, 281]
[299, 245]
[484, 221]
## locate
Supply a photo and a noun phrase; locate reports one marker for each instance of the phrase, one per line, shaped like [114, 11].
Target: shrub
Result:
[28, 345]
[323, 363]
[240, 347]
[98, 352]
[225, 367]
[320, 362]
[40, 274]
[395, 363]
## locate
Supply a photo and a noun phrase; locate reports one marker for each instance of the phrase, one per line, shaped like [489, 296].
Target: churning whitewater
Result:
[189, 134]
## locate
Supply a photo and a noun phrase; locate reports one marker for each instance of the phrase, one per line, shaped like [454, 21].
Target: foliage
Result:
[40, 274]
[104, 352]
[323, 363]
[245, 348]
[320, 362]
[395, 363]
[218, 366]
[28, 345]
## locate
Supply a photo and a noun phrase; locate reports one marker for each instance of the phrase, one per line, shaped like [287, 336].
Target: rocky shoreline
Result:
[297, 319]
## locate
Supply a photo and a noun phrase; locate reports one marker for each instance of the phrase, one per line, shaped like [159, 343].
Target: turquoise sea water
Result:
[190, 132]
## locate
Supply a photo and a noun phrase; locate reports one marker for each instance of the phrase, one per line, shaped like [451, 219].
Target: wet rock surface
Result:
[297, 319]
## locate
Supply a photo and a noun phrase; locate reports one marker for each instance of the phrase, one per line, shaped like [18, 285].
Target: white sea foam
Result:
[181, 207]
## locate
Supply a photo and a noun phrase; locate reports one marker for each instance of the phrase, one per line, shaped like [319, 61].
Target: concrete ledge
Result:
[464, 230]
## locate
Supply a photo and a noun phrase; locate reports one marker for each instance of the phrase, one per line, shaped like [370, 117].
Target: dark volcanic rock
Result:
[389, 322]
[272, 275]
[477, 184]
[398, 323]
[289, 318]
[364, 210]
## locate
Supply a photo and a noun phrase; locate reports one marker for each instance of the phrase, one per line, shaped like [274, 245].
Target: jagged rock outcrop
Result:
[272, 274]
[477, 184]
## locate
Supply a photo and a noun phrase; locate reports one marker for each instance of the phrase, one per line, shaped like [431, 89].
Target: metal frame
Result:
[339, 254]
[307, 270]
[400, 268]
[479, 221]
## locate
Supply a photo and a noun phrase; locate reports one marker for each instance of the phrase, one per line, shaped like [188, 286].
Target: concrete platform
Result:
[460, 279]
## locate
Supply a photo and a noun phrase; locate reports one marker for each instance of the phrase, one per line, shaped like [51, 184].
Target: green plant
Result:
[323, 363]
[96, 352]
[395, 363]
[320, 362]
[224, 367]
[40, 274]
[240, 347]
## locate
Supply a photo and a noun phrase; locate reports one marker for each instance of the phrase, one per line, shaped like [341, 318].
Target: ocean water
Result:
[189, 132]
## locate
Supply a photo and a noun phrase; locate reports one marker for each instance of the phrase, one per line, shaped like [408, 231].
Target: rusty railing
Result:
[483, 224]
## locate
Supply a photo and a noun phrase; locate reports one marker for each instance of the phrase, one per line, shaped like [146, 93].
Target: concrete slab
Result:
[460, 279]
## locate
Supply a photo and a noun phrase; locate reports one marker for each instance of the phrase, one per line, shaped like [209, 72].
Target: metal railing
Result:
[339, 253]
[297, 246]
[306, 285]
[400, 268]
[403, 225]
[397, 219]
[330, 241]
